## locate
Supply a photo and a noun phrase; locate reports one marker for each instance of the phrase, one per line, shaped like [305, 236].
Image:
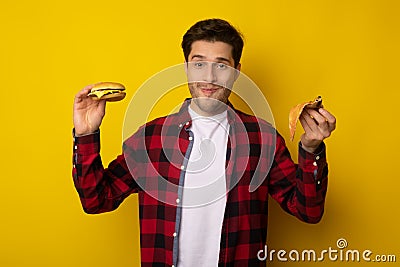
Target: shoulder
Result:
[259, 130]
[155, 127]
[254, 124]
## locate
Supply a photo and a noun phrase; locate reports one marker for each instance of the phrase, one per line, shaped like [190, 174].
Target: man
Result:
[192, 169]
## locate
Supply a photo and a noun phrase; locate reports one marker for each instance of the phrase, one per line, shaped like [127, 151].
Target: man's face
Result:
[211, 74]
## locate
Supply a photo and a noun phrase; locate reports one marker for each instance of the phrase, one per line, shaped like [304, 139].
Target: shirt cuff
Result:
[86, 144]
[313, 163]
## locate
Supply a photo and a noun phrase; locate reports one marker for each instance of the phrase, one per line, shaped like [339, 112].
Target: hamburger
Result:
[296, 111]
[109, 91]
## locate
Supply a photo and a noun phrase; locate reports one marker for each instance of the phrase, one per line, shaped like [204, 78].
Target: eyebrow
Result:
[218, 58]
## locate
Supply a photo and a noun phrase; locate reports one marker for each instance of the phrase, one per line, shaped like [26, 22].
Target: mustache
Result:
[209, 86]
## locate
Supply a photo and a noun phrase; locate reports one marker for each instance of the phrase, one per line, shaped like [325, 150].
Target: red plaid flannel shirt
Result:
[158, 149]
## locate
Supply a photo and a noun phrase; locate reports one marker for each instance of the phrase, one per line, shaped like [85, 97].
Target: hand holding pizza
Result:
[317, 123]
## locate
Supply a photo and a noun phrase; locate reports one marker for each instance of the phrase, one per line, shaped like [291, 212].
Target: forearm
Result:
[100, 190]
[300, 189]
[312, 177]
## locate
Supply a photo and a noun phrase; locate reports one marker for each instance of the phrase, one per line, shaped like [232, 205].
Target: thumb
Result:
[101, 107]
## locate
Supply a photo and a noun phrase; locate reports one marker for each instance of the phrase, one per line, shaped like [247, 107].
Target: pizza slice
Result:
[296, 111]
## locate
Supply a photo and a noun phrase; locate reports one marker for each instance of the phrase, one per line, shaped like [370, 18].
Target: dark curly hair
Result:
[214, 30]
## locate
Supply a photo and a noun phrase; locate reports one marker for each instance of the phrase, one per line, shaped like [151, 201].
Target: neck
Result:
[205, 113]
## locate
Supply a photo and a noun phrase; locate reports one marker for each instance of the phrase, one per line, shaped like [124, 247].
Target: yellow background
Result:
[346, 51]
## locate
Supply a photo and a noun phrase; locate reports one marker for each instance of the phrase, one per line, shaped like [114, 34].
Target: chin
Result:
[209, 105]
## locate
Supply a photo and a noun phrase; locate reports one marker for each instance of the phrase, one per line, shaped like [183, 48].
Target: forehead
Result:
[211, 50]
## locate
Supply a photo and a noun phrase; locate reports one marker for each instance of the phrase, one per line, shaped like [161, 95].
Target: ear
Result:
[186, 67]
[237, 72]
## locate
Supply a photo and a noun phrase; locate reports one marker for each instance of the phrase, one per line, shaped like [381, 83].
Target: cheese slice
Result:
[100, 93]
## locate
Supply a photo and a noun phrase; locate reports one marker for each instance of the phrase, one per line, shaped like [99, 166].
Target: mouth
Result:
[209, 89]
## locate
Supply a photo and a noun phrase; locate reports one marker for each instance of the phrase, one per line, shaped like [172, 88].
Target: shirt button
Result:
[180, 125]
[314, 163]
[187, 123]
[317, 158]
[182, 167]
[76, 147]
[173, 266]
[318, 182]
[174, 234]
[190, 138]
[177, 200]
[74, 166]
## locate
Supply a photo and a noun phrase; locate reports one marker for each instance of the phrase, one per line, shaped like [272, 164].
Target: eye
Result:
[198, 64]
[221, 66]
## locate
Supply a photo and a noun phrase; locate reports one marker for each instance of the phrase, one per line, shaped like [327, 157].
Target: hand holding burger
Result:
[90, 105]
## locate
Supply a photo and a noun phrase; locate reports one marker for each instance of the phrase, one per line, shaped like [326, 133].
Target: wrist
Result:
[308, 145]
[308, 148]
[80, 134]
[312, 149]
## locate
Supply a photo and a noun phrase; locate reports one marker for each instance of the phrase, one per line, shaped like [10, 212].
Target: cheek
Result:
[225, 94]
[192, 88]
[224, 76]
[192, 77]
[226, 79]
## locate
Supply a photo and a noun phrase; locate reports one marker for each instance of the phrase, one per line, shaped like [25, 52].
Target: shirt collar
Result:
[184, 119]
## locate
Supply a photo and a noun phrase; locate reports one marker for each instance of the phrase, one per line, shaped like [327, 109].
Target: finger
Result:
[326, 124]
[313, 130]
[304, 123]
[101, 104]
[329, 117]
[326, 114]
[316, 121]
[85, 90]
[309, 124]
[82, 94]
[320, 119]
[326, 121]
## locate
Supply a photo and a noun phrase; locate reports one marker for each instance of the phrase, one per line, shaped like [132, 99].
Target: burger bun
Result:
[109, 91]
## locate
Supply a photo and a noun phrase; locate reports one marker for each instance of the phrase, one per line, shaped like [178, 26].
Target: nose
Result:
[210, 74]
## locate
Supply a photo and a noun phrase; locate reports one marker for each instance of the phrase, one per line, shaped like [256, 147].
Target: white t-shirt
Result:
[204, 192]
